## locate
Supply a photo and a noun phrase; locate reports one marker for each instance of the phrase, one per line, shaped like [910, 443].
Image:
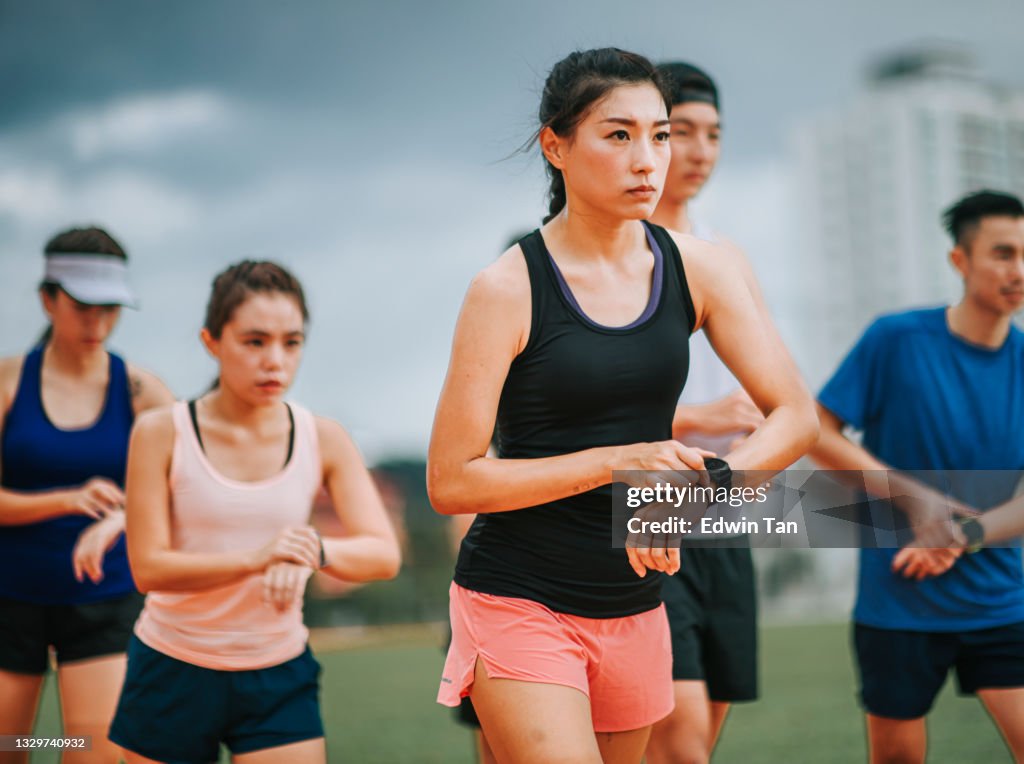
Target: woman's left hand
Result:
[93, 544]
[284, 583]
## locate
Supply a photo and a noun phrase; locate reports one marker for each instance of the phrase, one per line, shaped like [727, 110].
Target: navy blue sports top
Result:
[579, 385]
[35, 559]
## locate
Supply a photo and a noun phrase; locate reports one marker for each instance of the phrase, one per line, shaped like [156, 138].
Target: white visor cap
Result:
[90, 278]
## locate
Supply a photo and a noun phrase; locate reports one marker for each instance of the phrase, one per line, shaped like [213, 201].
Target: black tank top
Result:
[579, 385]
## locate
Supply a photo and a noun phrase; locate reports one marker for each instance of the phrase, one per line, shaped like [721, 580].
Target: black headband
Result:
[688, 95]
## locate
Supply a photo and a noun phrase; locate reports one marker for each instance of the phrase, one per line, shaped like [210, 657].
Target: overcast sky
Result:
[370, 146]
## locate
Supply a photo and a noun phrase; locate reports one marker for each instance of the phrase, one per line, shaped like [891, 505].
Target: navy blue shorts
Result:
[174, 711]
[901, 672]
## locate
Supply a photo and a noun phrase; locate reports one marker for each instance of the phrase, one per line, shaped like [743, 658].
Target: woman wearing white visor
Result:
[66, 409]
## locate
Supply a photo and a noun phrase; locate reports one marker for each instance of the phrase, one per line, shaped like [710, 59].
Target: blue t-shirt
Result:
[926, 399]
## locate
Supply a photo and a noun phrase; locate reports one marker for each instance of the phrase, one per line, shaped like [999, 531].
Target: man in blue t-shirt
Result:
[940, 389]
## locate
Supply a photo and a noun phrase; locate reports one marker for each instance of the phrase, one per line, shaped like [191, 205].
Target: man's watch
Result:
[974, 532]
[719, 471]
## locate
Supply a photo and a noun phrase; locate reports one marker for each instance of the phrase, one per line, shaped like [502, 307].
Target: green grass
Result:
[809, 710]
[378, 705]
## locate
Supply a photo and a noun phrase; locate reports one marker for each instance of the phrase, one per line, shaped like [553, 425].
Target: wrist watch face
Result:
[973, 532]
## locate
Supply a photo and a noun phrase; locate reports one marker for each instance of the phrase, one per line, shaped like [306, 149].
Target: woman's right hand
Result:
[96, 499]
[654, 463]
[300, 545]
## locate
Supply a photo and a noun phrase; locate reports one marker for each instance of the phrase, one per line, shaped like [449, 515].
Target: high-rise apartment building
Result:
[873, 179]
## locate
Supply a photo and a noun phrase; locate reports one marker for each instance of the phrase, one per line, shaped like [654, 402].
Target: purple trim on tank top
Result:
[652, 302]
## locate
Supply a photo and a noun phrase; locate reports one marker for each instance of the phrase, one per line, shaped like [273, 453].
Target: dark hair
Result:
[572, 88]
[688, 83]
[962, 219]
[92, 240]
[232, 286]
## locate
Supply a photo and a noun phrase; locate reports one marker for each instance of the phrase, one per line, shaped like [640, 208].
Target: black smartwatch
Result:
[974, 532]
[719, 471]
[323, 552]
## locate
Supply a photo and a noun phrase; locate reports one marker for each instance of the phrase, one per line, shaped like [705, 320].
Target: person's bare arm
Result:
[1004, 522]
[370, 549]
[834, 451]
[739, 260]
[746, 341]
[735, 412]
[147, 390]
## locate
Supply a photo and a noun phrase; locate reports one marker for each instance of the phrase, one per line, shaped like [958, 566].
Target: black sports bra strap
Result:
[291, 434]
[291, 429]
[195, 423]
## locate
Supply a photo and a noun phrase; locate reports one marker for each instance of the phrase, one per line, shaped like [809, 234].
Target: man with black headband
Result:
[711, 601]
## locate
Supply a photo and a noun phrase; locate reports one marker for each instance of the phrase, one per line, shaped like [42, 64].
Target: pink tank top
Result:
[230, 627]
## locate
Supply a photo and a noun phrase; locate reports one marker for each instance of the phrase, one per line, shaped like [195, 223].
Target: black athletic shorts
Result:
[901, 672]
[76, 632]
[712, 613]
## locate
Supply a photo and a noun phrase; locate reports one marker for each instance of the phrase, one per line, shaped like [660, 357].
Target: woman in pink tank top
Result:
[219, 493]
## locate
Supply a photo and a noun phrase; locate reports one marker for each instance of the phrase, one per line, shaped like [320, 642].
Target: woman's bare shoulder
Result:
[506, 279]
[10, 373]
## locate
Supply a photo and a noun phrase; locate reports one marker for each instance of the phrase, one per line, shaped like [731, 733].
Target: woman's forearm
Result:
[172, 570]
[22, 508]
[361, 558]
[788, 433]
[485, 484]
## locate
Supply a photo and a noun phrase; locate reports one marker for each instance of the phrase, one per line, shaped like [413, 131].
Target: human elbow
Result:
[449, 503]
[391, 564]
[385, 565]
[145, 581]
[828, 449]
[443, 492]
[145, 571]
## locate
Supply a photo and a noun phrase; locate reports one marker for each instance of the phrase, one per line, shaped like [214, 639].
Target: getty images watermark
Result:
[801, 508]
[680, 501]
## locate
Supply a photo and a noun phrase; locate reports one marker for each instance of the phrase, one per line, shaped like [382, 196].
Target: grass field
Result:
[378, 705]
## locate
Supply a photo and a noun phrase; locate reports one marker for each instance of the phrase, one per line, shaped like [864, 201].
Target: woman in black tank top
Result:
[575, 344]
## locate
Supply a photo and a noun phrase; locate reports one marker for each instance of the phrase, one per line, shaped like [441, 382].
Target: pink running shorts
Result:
[623, 665]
